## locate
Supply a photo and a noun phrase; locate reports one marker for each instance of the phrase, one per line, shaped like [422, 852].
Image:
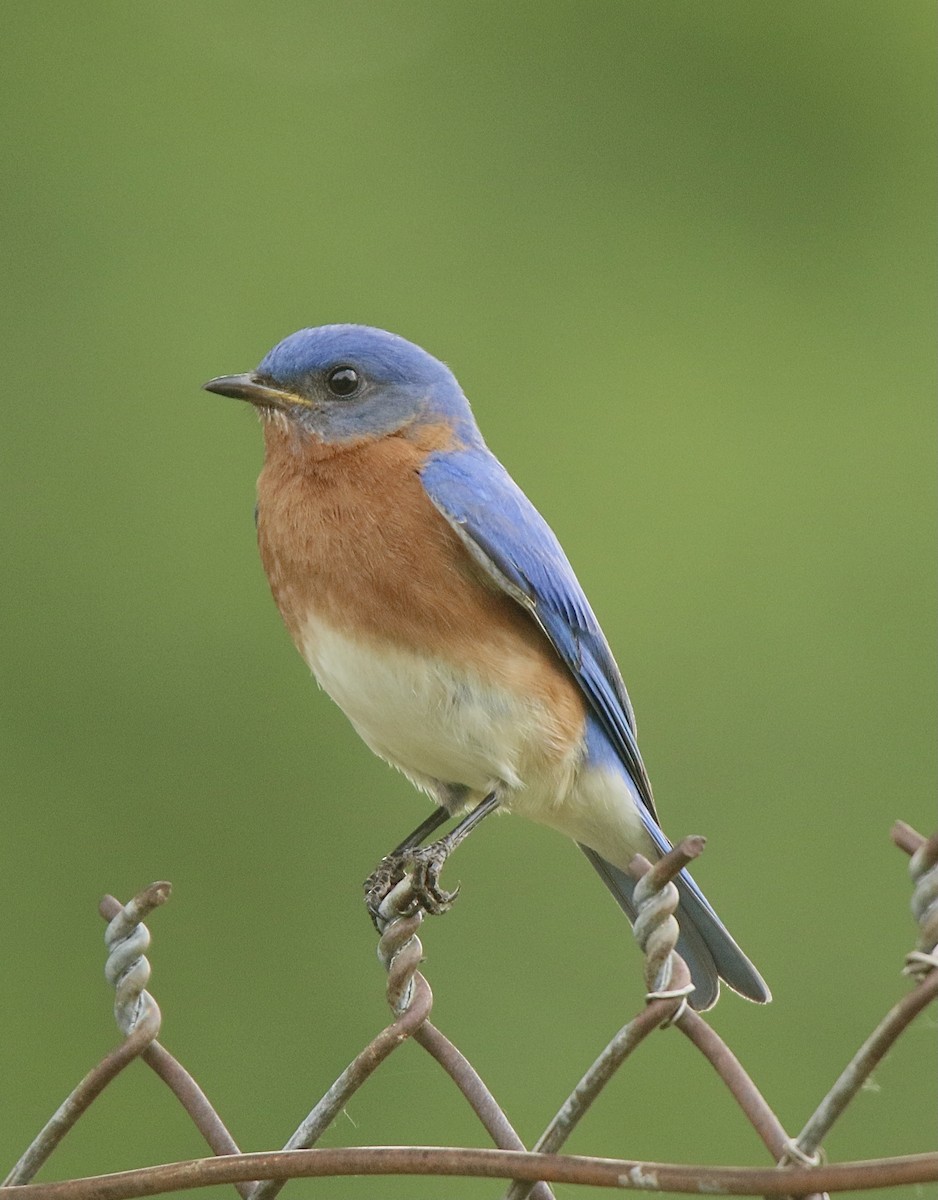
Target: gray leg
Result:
[437, 818]
[424, 863]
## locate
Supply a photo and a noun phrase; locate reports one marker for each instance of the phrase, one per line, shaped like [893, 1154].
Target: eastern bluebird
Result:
[436, 607]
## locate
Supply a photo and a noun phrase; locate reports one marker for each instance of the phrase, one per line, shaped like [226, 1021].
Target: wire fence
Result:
[798, 1167]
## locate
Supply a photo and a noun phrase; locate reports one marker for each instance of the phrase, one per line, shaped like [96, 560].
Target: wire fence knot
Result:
[923, 867]
[127, 968]
[400, 950]
[794, 1156]
[656, 931]
[656, 928]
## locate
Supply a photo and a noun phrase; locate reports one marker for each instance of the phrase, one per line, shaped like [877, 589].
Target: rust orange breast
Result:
[351, 537]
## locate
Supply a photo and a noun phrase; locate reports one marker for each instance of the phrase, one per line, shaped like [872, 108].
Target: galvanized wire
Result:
[127, 968]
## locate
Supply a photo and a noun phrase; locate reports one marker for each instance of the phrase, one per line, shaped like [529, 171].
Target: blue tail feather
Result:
[704, 942]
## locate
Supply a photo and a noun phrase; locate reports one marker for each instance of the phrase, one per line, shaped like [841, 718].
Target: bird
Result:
[436, 607]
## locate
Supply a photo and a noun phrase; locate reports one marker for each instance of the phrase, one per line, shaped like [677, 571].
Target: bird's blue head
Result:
[344, 383]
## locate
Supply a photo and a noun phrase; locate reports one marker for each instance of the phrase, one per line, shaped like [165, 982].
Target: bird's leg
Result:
[438, 817]
[392, 868]
[424, 863]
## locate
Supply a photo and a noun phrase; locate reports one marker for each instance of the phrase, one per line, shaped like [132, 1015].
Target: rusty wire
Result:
[410, 997]
[923, 868]
[138, 1016]
[668, 981]
[260, 1176]
[627, 1174]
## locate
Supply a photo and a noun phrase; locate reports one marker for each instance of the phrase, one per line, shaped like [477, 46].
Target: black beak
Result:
[249, 387]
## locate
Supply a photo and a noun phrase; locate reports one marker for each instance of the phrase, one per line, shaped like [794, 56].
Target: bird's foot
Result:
[423, 865]
[387, 875]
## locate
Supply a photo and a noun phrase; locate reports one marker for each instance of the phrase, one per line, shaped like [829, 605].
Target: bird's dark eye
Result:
[343, 381]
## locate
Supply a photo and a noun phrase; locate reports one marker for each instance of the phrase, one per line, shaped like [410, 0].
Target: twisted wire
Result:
[923, 858]
[656, 931]
[138, 1017]
[923, 867]
[400, 950]
[127, 968]
[410, 998]
[656, 928]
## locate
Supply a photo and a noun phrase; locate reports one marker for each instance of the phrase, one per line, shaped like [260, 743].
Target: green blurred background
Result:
[680, 257]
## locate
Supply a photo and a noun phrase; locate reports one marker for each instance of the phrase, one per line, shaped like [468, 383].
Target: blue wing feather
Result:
[510, 538]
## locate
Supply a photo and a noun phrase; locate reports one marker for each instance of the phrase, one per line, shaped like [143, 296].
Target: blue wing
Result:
[513, 543]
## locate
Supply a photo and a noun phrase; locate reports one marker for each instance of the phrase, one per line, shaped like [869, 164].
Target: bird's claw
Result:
[383, 878]
[423, 865]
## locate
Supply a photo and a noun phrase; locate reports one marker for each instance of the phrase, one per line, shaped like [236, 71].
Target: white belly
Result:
[434, 723]
[443, 726]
